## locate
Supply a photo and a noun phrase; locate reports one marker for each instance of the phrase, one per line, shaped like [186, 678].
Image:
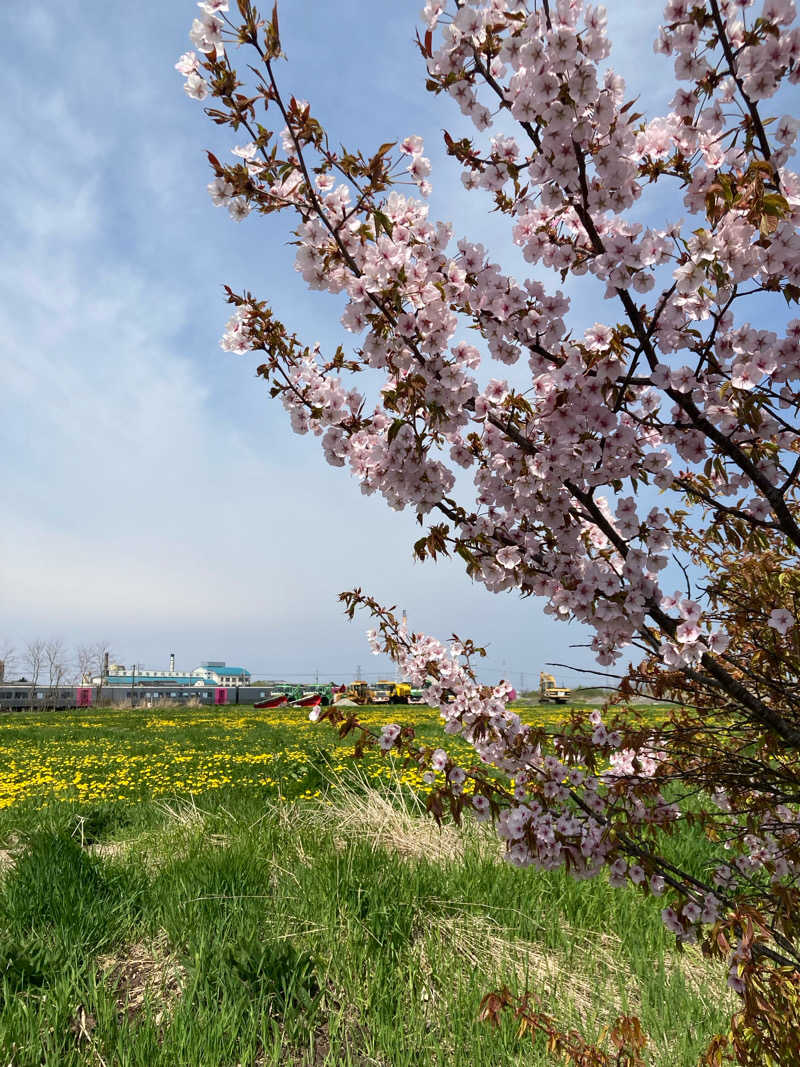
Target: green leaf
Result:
[383, 222]
[775, 204]
[394, 430]
[466, 555]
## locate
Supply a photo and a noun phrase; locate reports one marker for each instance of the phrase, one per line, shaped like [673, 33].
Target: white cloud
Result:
[155, 495]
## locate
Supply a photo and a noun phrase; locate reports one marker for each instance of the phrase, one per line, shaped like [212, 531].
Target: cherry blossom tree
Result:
[596, 470]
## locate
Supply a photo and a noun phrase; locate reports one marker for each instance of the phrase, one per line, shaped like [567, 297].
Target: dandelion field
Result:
[132, 754]
[201, 886]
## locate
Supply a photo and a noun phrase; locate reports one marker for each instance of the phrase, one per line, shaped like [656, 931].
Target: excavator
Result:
[548, 690]
[359, 692]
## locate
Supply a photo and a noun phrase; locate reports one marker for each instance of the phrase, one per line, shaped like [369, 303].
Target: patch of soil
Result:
[320, 1055]
[82, 1026]
[144, 976]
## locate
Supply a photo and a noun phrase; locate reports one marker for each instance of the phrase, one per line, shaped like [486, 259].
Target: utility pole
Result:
[404, 627]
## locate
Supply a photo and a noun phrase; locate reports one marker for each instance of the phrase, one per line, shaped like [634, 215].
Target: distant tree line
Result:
[51, 663]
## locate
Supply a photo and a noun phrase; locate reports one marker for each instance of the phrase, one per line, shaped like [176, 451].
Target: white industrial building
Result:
[211, 672]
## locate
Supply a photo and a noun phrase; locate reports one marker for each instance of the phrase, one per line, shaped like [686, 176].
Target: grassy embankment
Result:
[186, 887]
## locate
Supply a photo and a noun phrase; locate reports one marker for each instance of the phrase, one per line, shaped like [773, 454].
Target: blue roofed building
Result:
[218, 673]
[211, 672]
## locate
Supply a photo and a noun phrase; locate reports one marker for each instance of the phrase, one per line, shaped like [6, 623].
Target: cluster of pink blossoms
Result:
[205, 35]
[603, 564]
[561, 814]
[546, 826]
[683, 394]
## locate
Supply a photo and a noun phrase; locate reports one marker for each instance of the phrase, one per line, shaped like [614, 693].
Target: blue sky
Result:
[154, 496]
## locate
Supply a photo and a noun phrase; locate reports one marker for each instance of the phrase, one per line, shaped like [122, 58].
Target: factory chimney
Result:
[172, 663]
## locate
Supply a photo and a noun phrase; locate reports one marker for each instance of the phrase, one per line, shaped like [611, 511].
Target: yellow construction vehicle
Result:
[548, 690]
[385, 692]
[392, 693]
[359, 692]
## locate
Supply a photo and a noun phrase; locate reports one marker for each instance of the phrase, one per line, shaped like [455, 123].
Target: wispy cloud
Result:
[151, 492]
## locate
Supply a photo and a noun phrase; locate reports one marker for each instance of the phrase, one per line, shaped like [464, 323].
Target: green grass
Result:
[255, 923]
[131, 754]
[125, 754]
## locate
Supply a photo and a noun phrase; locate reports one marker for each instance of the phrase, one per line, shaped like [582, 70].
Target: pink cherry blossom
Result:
[781, 620]
[196, 87]
[592, 468]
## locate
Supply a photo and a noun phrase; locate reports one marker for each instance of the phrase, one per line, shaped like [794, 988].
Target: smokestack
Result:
[172, 663]
[2, 670]
[105, 665]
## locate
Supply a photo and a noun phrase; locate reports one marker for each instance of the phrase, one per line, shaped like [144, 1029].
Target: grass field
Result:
[207, 887]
